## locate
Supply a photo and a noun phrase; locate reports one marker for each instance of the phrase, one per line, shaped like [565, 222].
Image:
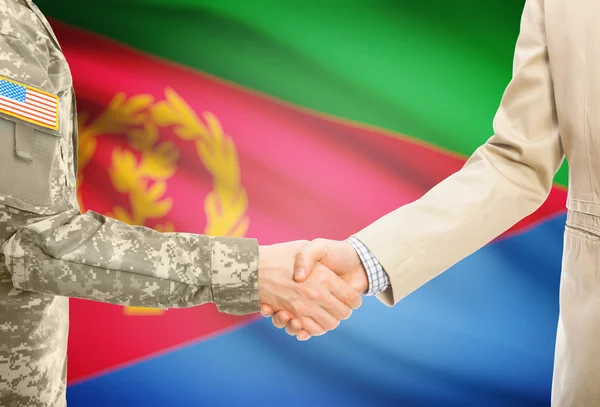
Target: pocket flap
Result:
[24, 142]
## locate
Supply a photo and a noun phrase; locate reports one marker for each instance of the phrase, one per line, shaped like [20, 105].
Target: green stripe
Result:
[432, 69]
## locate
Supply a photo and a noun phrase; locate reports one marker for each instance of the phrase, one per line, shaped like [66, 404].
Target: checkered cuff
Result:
[378, 279]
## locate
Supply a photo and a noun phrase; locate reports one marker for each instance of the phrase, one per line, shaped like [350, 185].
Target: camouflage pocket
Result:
[27, 156]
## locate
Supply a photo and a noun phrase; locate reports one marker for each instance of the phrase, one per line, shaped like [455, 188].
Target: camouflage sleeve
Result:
[60, 251]
[94, 257]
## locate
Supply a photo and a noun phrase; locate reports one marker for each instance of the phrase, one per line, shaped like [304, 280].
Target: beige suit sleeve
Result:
[506, 179]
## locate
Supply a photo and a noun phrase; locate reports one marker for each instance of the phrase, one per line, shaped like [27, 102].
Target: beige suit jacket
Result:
[550, 109]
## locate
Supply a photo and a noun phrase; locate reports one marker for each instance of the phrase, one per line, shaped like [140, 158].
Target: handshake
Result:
[309, 287]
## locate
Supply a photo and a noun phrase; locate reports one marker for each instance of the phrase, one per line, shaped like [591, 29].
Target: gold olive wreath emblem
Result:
[144, 179]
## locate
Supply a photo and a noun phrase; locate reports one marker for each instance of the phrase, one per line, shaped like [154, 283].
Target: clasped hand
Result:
[309, 287]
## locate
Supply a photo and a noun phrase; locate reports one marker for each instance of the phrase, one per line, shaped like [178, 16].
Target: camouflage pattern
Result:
[50, 251]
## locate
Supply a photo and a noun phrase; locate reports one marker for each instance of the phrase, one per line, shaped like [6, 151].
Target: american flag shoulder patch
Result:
[28, 103]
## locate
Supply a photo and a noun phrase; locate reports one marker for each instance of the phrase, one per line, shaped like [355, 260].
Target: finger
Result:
[303, 336]
[321, 304]
[307, 257]
[345, 293]
[339, 310]
[281, 318]
[294, 327]
[266, 310]
[334, 307]
[324, 319]
[311, 327]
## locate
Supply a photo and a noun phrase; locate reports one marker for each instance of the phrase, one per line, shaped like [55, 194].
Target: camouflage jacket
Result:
[50, 251]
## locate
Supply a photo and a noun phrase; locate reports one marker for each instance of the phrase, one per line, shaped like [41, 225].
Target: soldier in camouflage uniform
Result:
[50, 251]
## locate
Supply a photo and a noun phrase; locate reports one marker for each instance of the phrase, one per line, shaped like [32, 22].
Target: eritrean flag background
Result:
[294, 120]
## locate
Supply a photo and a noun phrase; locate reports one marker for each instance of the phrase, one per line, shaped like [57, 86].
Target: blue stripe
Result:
[481, 334]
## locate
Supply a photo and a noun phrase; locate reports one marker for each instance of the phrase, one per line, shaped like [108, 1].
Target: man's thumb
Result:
[306, 259]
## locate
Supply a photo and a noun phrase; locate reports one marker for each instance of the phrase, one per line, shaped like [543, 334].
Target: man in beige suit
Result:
[551, 108]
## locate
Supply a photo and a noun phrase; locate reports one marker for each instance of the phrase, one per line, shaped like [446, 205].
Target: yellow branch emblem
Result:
[144, 179]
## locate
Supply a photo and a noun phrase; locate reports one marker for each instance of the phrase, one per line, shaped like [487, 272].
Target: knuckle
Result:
[313, 294]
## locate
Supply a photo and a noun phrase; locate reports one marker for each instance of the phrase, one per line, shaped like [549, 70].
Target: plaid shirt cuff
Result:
[378, 279]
